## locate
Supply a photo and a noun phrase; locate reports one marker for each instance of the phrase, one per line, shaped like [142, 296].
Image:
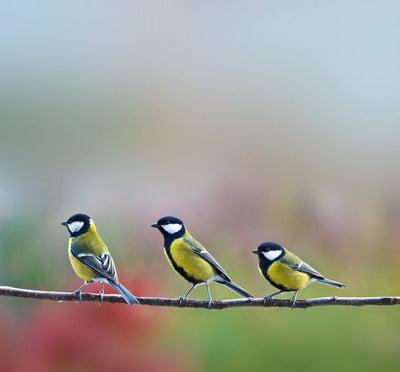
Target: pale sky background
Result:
[126, 103]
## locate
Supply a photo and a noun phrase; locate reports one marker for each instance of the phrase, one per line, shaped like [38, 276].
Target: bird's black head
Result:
[269, 251]
[170, 226]
[78, 224]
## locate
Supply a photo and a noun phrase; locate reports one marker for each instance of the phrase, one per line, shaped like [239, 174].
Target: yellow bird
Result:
[287, 272]
[90, 258]
[191, 260]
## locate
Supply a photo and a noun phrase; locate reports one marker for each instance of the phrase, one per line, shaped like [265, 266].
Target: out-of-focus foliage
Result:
[89, 336]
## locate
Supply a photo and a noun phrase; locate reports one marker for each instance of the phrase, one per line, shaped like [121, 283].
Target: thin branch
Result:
[176, 302]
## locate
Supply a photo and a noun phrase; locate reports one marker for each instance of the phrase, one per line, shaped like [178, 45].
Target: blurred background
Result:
[251, 121]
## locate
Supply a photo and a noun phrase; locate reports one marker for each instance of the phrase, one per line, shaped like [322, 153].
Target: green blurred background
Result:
[251, 121]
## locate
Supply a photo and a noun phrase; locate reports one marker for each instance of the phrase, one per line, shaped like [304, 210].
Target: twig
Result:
[176, 302]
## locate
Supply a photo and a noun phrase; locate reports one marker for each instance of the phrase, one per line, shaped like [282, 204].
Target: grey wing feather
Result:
[306, 268]
[202, 252]
[107, 264]
[103, 265]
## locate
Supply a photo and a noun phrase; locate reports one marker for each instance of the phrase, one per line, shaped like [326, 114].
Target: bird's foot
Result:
[267, 299]
[79, 294]
[209, 304]
[101, 296]
[182, 300]
[293, 303]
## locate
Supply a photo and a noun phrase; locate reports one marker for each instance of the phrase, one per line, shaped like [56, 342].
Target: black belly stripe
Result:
[179, 269]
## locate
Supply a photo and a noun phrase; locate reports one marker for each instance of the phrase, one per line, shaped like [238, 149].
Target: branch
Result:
[176, 302]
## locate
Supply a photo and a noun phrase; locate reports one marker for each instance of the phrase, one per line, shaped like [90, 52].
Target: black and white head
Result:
[269, 251]
[170, 226]
[78, 224]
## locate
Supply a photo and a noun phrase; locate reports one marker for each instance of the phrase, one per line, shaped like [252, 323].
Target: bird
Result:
[287, 272]
[191, 260]
[90, 258]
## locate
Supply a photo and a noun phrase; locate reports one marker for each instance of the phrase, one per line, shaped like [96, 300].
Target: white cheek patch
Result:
[271, 255]
[75, 226]
[172, 228]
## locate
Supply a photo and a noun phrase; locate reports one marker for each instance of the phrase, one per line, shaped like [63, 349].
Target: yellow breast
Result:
[286, 277]
[192, 264]
[83, 271]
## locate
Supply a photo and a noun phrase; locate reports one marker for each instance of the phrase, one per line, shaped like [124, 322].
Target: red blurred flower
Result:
[92, 336]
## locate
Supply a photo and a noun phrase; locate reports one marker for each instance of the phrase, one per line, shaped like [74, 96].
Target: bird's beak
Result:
[156, 225]
[64, 223]
[255, 251]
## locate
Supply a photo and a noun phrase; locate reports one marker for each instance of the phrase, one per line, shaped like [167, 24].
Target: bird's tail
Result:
[331, 282]
[234, 287]
[128, 296]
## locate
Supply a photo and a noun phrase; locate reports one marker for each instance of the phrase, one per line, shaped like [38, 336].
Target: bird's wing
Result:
[102, 264]
[202, 252]
[297, 264]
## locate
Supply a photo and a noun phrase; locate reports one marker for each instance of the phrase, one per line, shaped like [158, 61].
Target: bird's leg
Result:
[293, 300]
[190, 290]
[78, 291]
[194, 285]
[101, 293]
[209, 299]
[269, 297]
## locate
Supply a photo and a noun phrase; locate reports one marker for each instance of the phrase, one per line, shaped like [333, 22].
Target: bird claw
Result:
[209, 304]
[267, 299]
[293, 303]
[79, 294]
[101, 296]
[182, 300]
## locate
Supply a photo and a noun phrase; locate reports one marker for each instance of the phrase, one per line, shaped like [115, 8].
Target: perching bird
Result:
[190, 259]
[90, 258]
[287, 272]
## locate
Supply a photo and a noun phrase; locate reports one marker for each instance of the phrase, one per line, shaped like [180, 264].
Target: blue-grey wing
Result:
[102, 265]
[202, 252]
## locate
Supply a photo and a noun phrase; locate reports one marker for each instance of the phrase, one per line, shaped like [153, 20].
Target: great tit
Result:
[90, 258]
[287, 272]
[190, 259]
